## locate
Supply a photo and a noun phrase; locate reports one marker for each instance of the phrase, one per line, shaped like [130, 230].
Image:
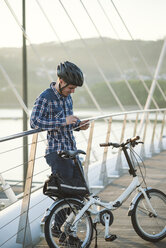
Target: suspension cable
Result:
[28, 39]
[25, 34]
[140, 53]
[116, 63]
[93, 58]
[127, 53]
[68, 54]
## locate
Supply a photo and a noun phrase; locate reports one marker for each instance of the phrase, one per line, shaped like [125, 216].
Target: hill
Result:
[115, 58]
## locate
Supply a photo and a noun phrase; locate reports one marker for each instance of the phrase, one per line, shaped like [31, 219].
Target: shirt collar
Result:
[52, 86]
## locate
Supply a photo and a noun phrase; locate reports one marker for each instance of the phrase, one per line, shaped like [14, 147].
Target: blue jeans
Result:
[64, 167]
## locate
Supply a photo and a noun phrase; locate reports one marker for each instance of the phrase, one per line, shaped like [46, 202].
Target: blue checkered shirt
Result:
[49, 113]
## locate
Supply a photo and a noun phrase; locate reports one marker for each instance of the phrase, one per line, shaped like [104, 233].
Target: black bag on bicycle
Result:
[62, 187]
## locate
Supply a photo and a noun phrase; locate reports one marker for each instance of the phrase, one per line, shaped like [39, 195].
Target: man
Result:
[53, 111]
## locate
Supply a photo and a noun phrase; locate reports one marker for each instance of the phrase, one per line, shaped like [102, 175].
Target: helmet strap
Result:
[61, 88]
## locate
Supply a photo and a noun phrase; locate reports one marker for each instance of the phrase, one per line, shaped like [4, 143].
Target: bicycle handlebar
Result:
[132, 141]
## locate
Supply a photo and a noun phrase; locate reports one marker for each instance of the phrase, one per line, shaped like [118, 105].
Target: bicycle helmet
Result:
[70, 73]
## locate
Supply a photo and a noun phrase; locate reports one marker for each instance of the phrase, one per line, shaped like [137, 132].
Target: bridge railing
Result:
[150, 125]
[100, 165]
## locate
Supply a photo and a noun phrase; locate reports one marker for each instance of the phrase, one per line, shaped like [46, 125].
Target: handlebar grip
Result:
[116, 145]
[104, 144]
[134, 138]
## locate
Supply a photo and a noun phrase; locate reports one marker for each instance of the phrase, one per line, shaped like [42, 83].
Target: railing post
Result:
[142, 152]
[118, 167]
[24, 233]
[152, 149]
[160, 145]
[103, 172]
[88, 152]
[135, 126]
[93, 152]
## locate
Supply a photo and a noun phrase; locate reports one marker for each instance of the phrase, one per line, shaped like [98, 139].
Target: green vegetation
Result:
[101, 93]
[106, 100]
[52, 53]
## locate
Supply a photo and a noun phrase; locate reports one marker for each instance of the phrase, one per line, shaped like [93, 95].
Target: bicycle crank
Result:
[106, 218]
[106, 214]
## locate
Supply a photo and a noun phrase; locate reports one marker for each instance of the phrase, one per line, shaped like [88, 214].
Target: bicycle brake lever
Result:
[133, 144]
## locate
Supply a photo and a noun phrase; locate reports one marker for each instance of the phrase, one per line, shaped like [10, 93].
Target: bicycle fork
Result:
[148, 201]
[144, 192]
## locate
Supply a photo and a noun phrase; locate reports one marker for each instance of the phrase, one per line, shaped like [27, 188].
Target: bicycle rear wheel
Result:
[58, 226]
[147, 226]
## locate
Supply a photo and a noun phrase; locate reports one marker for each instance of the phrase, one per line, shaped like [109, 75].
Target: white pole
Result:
[11, 84]
[8, 190]
[153, 85]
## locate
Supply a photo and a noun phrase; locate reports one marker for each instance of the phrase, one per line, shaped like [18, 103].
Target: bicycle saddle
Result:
[71, 154]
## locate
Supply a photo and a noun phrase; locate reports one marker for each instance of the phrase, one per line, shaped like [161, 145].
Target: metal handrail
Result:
[29, 132]
[22, 134]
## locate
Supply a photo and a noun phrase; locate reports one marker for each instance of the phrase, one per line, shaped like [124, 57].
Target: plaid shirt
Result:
[49, 113]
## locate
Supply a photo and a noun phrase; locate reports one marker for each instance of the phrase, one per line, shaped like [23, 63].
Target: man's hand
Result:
[84, 125]
[71, 119]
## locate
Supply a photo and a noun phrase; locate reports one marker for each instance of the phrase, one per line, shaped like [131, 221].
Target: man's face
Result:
[68, 89]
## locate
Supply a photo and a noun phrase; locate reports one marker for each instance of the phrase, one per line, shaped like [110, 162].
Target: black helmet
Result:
[70, 73]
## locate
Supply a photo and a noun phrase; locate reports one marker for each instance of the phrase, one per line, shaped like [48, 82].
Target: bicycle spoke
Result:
[146, 224]
[63, 234]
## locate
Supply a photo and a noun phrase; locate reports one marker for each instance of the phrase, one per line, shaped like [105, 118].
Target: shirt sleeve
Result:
[45, 117]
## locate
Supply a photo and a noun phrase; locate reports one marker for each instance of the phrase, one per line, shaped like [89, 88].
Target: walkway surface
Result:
[122, 227]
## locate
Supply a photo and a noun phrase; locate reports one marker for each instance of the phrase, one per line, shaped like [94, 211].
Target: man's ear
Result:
[61, 81]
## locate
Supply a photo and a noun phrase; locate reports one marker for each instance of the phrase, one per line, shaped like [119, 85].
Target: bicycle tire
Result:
[61, 212]
[146, 225]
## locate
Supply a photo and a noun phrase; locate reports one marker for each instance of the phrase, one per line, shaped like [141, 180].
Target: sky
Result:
[145, 19]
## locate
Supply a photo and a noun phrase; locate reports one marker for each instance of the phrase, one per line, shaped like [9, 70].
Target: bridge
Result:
[22, 203]
[105, 171]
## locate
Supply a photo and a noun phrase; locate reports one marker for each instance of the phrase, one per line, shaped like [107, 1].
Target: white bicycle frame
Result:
[135, 184]
[112, 205]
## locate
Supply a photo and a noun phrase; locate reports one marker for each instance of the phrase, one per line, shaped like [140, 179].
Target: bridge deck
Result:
[122, 227]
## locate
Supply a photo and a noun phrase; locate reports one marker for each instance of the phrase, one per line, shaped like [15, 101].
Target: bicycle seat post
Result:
[77, 163]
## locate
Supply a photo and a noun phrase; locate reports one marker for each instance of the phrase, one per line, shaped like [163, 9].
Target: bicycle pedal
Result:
[110, 237]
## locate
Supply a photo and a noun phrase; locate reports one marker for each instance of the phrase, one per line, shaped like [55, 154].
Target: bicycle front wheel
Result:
[58, 231]
[148, 226]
